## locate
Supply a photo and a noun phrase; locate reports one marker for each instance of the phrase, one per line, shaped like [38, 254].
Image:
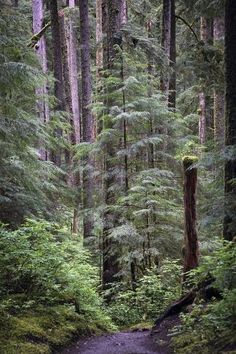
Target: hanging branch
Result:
[188, 25]
[36, 37]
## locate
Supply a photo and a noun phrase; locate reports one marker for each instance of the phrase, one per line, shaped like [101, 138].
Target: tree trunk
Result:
[58, 70]
[230, 138]
[111, 24]
[202, 118]
[168, 81]
[191, 249]
[88, 121]
[219, 109]
[73, 74]
[204, 109]
[41, 92]
[74, 105]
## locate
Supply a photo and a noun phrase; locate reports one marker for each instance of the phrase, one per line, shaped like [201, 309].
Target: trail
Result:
[139, 342]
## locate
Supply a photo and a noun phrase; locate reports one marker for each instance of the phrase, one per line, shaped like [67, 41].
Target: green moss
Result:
[141, 325]
[44, 329]
[190, 160]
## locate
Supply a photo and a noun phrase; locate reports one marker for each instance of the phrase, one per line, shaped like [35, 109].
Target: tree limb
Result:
[188, 25]
[37, 36]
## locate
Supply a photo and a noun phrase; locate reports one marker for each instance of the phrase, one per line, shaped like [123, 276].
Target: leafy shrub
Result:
[154, 292]
[48, 289]
[211, 327]
[40, 263]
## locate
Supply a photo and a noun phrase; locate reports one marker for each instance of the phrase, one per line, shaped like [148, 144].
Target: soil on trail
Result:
[139, 342]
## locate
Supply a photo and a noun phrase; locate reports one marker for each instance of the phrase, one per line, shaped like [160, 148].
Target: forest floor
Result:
[130, 342]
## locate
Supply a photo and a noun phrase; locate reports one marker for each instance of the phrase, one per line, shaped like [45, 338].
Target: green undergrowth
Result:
[154, 291]
[210, 327]
[48, 290]
[44, 329]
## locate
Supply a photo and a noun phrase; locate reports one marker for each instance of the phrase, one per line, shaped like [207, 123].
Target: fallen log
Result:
[177, 306]
[205, 290]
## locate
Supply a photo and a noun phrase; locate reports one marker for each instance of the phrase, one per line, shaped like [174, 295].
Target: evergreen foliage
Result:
[113, 167]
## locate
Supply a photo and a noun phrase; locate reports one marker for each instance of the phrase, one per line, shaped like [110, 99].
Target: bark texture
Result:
[41, 92]
[58, 70]
[87, 116]
[191, 249]
[204, 109]
[230, 166]
[168, 81]
[73, 74]
[219, 102]
[111, 24]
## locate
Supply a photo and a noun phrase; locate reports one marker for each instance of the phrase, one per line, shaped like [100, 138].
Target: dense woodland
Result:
[117, 171]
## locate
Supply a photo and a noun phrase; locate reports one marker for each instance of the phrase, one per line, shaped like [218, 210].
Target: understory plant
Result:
[210, 327]
[46, 275]
[153, 293]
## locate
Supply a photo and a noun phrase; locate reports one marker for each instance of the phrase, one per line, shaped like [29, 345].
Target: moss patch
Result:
[44, 329]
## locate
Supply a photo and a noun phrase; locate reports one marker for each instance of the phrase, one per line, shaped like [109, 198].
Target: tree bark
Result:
[73, 74]
[230, 138]
[88, 121]
[168, 81]
[219, 104]
[191, 249]
[204, 109]
[41, 92]
[111, 23]
[58, 70]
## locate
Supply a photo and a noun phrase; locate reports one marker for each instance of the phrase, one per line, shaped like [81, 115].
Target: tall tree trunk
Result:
[219, 109]
[41, 92]
[191, 249]
[58, 70]
[204, 109]
[99, 57]
[73, 74]
[230, 165]
[111, 24]
[88, 121]
[72, 93]
[168, 82]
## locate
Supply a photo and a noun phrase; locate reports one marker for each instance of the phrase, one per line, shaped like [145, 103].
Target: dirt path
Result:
[119, 343]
